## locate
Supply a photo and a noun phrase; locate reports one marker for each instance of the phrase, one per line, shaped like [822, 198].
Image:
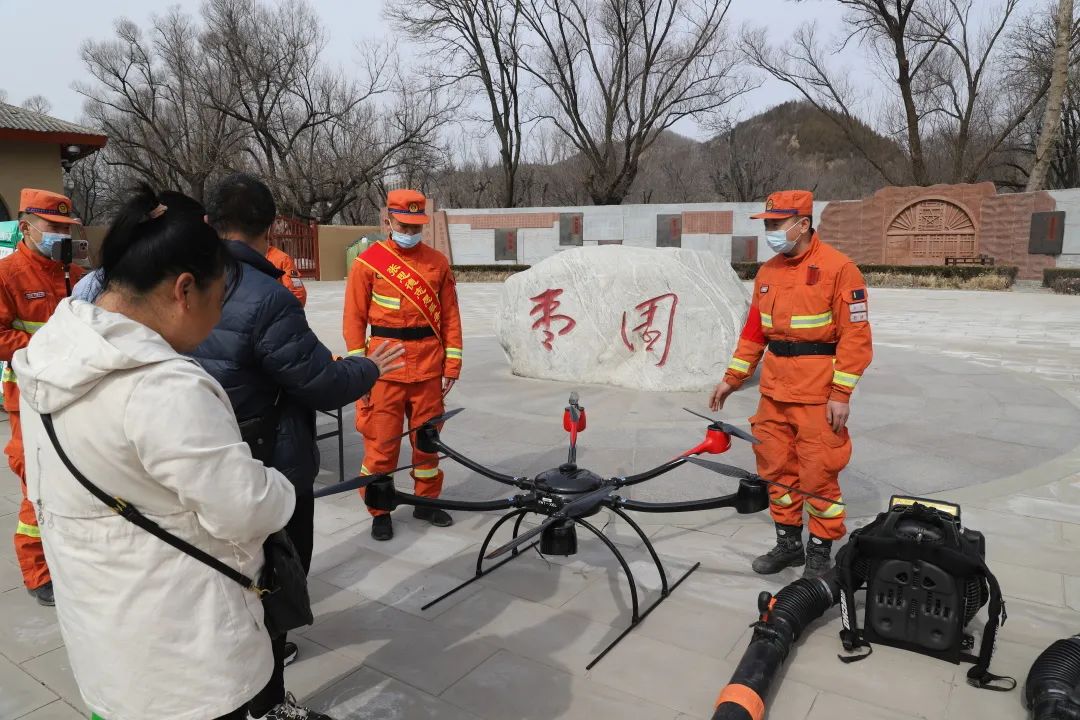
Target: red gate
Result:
[300, 240]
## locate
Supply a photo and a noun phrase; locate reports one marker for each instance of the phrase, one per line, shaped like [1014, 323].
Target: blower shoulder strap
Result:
[979, 675]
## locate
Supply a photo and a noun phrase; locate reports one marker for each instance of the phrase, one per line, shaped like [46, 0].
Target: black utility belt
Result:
[402, 333]
[784, 348]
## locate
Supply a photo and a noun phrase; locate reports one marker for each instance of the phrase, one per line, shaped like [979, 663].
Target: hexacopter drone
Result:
[567, 496]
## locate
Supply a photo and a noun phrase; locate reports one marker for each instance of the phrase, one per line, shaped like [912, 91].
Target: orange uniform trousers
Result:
[392, 408]
[799, 448]
[28, 548]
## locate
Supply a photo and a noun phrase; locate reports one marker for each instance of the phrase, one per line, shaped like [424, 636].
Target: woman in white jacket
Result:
[150, 632]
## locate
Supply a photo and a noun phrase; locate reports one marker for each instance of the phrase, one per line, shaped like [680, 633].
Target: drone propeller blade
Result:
[697, 414]
[726, 427]
[738, 432]
[736, 472]
[577, 508]
[524, 537]
[354, 484]
[437, 420]
[729, 470]
[360, 481]
[445, 416]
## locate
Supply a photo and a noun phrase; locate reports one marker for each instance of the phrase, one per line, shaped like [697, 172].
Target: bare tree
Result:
[148, 98]
[38, 104]
[1059, 79]
[945, 68]
[959, 110]
[746, 165]
[316, 135]
[1033, 44]
[617, 73]
[886, 29]
[477, 46]
[3, 95]
[98, 185]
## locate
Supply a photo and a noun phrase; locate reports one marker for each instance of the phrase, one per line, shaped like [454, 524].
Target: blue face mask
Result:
[50, 244]
[405, 240]
[778, 241]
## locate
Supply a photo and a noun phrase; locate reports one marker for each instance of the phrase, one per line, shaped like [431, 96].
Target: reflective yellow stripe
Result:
[28, 530]
[364, 470]
[453, 353]
[811, 321]
[27, 326]
[845, 379]
[8, 375]
[766, 320]
[783, 501]
[361, 351]
[833, 511]
[425, 473]
[385, 301]
[739, 365]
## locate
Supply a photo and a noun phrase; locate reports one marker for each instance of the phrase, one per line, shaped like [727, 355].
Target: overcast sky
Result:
[46, 60]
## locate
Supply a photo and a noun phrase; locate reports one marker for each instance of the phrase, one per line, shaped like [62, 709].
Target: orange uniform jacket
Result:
[371, 299]
[817, 297]
[31, 286]
[291, 279]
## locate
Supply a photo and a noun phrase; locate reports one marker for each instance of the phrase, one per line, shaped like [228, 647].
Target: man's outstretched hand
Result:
[719, 396]
[388, 357]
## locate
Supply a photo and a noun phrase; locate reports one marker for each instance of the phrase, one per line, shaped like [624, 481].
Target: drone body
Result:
[567, 496]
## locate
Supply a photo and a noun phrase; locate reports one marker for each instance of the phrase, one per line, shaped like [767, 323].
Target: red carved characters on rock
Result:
[648, 330]
[546, 303]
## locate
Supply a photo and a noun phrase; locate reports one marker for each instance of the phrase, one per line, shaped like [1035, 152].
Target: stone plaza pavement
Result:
[973, 397]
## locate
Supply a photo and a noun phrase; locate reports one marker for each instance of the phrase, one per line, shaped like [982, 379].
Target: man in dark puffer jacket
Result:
[263, 351]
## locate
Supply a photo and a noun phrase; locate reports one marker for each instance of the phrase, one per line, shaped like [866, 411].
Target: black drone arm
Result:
[650, 474]
[428, 440]
[479, 506]
[382, 495]
[751, 497]
[673, 507]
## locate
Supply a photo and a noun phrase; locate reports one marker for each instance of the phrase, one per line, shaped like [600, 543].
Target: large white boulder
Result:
[642, 318]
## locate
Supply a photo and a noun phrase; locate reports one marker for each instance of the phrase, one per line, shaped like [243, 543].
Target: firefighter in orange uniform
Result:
[809, 315]
[33, 281]
[404, 291]
[291, 279]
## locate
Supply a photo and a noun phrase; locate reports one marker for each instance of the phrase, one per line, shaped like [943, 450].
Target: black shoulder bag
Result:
[260, 433]
[282, 585]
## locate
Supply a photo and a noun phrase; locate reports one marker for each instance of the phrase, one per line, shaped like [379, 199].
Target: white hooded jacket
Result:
[150, 631]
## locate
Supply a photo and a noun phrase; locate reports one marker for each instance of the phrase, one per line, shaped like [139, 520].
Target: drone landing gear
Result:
[561, 540]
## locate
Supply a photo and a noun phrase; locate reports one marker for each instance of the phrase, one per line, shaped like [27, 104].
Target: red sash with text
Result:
[409, 282]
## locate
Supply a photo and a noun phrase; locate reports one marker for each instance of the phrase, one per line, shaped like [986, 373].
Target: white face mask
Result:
[780, 241]
[406, 240]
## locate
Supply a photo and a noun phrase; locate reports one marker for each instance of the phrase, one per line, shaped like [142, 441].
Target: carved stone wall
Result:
[925, 225]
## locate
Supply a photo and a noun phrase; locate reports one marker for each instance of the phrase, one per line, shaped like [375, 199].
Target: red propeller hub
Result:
[568, 421]
[716, 442]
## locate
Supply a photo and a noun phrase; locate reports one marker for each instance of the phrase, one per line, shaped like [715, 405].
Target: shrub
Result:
[969, 277]
[746, 270]
[907, 280]
[1050, 275]
[1066, 285]
[486, 273]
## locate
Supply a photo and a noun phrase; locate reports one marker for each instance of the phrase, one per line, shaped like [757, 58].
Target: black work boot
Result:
[788, 551]
[44, 594]
[382, 528]
[435, 516]
[818, 559]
